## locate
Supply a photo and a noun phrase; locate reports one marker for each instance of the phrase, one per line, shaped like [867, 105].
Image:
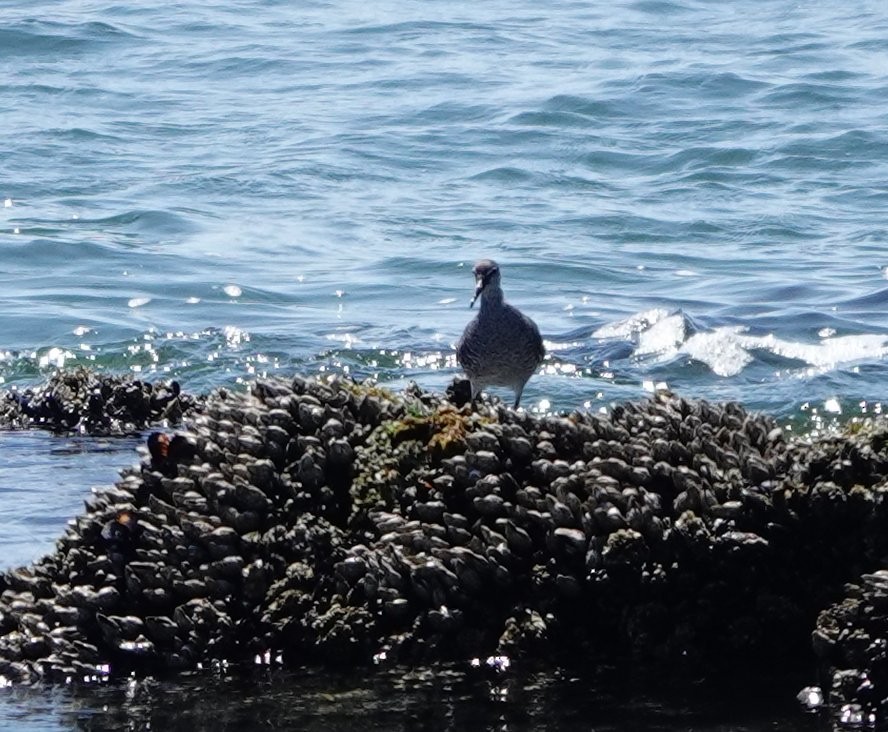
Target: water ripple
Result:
[616, 162]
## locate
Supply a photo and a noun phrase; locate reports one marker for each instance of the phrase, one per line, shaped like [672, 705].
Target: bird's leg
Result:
[476, 392]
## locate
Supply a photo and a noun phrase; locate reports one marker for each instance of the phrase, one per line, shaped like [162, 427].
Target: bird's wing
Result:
[539, 339]
[465, 355]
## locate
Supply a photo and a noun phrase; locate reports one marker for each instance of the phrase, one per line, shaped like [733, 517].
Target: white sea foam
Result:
[720, 350]
[633, 325]
[728, 350]
[831, 352]
[662, 337]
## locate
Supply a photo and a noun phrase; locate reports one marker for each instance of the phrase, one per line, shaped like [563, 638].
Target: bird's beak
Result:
[479, 286]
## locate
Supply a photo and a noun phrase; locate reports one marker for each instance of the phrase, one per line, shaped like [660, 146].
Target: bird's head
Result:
[487, 274]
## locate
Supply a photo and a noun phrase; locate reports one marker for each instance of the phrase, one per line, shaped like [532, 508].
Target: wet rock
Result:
[95, 403]
[248, 497]
[568, 541]
[625, 548]
[324, 517]
[483, 461]
[489, 505]
[340, 454]
[219, 542]
[161, 630]
[518, 539]
[432, 512]
[117, 629]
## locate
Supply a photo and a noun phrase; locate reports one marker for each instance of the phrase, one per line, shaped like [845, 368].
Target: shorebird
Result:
[500, 346]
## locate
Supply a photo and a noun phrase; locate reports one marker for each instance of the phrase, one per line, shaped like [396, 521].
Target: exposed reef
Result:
[81, 400]
[329, 521]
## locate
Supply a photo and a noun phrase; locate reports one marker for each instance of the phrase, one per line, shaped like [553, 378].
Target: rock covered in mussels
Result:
[849, 488]
[330, 520]
[95, 403]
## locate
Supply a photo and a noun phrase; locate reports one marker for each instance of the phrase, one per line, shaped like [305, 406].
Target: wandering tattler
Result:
[500, 346]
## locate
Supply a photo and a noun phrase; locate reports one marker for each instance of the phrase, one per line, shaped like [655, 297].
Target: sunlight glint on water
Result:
[683, 195]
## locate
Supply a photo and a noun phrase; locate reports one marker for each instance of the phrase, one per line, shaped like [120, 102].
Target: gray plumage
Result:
[500, 346]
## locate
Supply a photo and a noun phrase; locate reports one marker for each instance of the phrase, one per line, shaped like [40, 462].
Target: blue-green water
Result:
[681, 192]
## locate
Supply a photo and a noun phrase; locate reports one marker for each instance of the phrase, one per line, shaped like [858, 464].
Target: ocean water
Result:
[683, 193]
